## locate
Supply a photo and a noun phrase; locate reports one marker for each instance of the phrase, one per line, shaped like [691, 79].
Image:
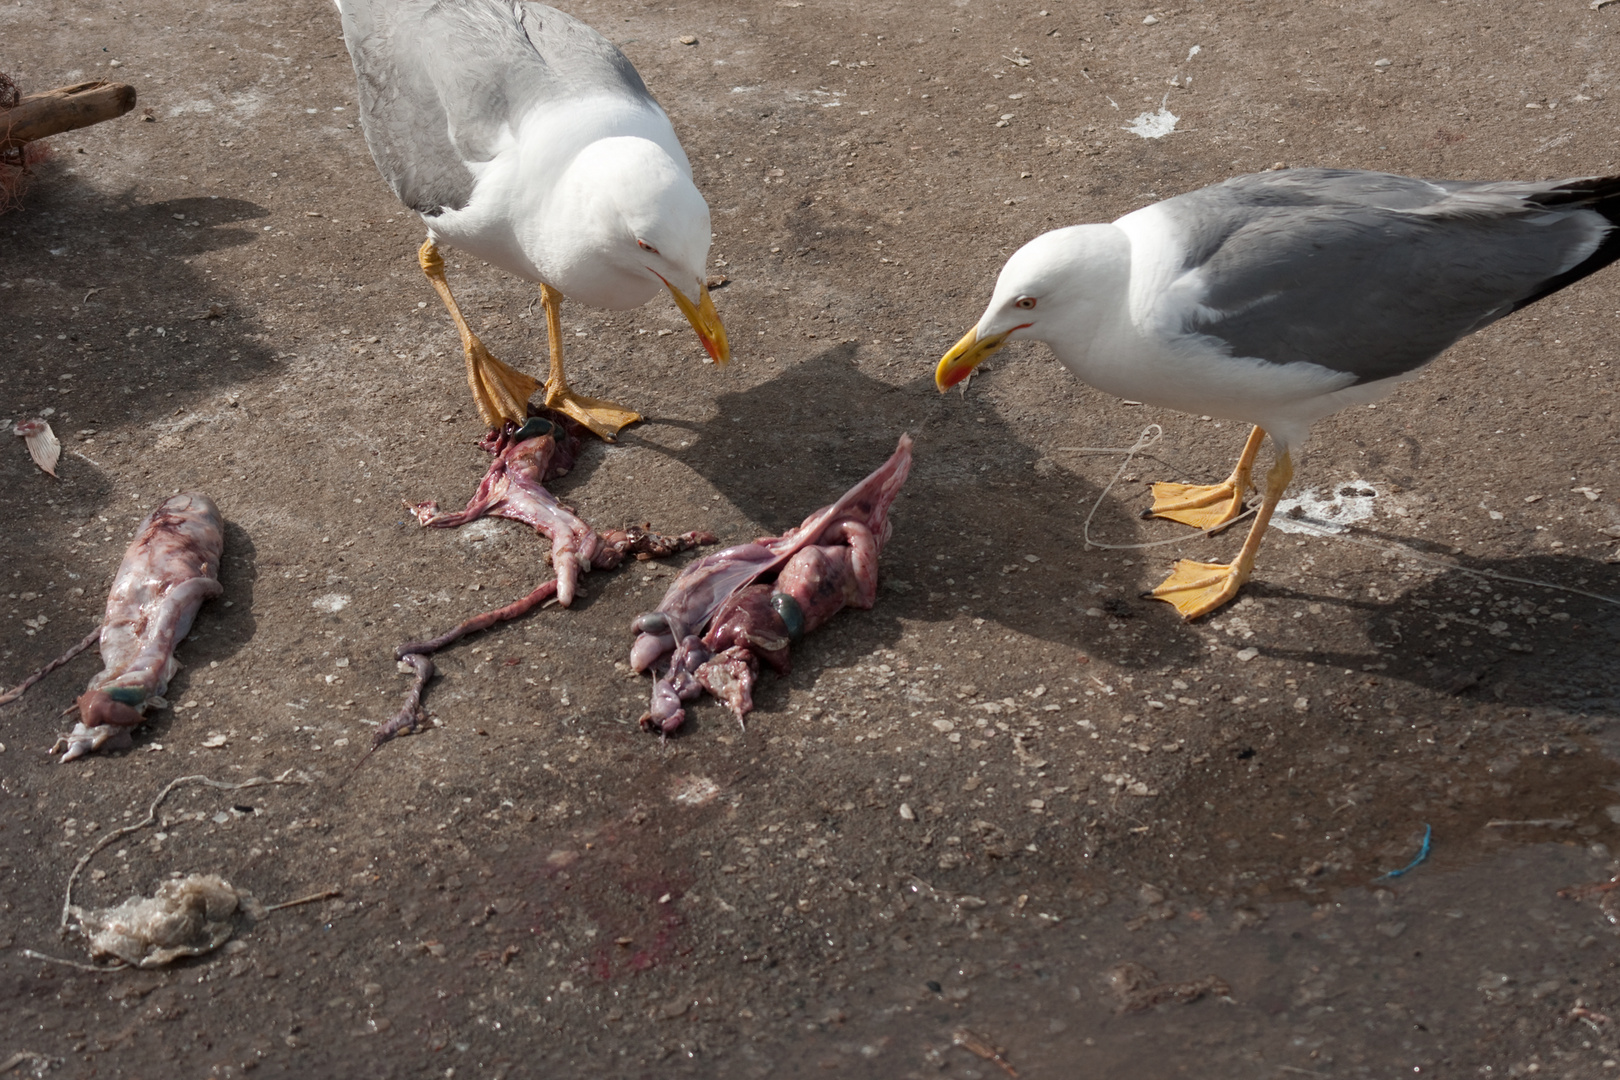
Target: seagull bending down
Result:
[1280, 298]
[526, 139]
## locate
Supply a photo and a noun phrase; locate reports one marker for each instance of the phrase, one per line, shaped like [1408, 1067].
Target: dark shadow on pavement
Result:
[969, 520]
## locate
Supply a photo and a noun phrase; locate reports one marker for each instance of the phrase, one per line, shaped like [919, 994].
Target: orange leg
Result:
[1198, 588]
[500, 392]
[1206, 506]
[602, 417]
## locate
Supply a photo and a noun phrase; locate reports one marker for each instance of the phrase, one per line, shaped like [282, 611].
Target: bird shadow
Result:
[1547, 638]
[977, 532]
[129, 327]
[116, 327]
[224, 626]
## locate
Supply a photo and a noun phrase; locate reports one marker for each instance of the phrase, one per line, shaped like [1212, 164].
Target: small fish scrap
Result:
[978, 1046]
[43, 445]
[1607, 892]
[1139, 988]
[828, 563]
[167, 573]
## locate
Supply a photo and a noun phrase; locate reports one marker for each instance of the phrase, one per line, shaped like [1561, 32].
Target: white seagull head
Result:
[631, 220]
[1059, 286]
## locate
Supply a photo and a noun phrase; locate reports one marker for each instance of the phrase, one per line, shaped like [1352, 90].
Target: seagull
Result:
[1279, 298]
[526, 139]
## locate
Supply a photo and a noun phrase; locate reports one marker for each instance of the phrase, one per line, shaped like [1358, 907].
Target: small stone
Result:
[214, 740]
[1150, 20]
[1302, 704]
[1245, 655]
[907, 813]
[941, 725]
[687, 39]
[1381, 63]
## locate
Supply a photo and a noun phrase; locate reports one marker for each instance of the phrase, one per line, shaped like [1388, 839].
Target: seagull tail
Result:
[1598, 193]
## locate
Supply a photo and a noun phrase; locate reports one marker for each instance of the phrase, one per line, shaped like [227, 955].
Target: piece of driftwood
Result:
[63, 109]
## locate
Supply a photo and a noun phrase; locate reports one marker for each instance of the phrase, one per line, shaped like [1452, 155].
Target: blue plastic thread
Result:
[1423, 853]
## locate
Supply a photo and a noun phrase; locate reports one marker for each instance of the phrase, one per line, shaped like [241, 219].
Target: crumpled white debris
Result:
[189, 916]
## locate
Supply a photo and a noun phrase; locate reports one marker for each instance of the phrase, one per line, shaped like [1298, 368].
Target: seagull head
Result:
[1057, 287]
[641, 223]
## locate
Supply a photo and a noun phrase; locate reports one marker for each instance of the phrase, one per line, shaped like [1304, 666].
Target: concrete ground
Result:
[1015, 808]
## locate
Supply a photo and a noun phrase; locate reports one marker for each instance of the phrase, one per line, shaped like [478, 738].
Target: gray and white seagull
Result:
[1281, 297]
[526, 139]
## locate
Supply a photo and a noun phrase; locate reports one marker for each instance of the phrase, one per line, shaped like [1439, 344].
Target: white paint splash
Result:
[1153, 125]
[1333, 514]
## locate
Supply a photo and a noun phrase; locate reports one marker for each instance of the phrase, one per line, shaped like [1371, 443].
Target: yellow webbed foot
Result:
[604, 418]
[1198, 588]
[501, 392]
[1203, 506]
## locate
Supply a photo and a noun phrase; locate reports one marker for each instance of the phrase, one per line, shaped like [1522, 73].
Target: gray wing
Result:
[1367, 273]
[442, 81]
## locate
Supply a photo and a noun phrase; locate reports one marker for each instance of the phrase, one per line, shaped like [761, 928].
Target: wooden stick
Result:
[310, 899]
[63, 109]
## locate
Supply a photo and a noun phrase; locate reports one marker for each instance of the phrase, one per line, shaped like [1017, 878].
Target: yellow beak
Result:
[966, 355]
[706, 321]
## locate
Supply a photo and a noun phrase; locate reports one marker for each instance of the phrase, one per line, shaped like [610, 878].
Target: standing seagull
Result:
[525, 138]
[1279, 298]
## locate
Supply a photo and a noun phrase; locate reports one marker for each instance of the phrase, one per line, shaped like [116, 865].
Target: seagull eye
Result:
[647, 247]
[1027, 303]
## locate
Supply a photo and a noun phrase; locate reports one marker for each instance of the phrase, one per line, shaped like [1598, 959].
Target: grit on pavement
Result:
[1015, 817]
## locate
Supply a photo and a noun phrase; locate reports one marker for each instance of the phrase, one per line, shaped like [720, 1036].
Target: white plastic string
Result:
[1151, 434]
[1402, 551]
[151, 818]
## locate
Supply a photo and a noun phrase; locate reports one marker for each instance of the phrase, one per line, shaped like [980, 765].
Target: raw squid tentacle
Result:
[479, 622]
[21, 688]
[679, 684]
